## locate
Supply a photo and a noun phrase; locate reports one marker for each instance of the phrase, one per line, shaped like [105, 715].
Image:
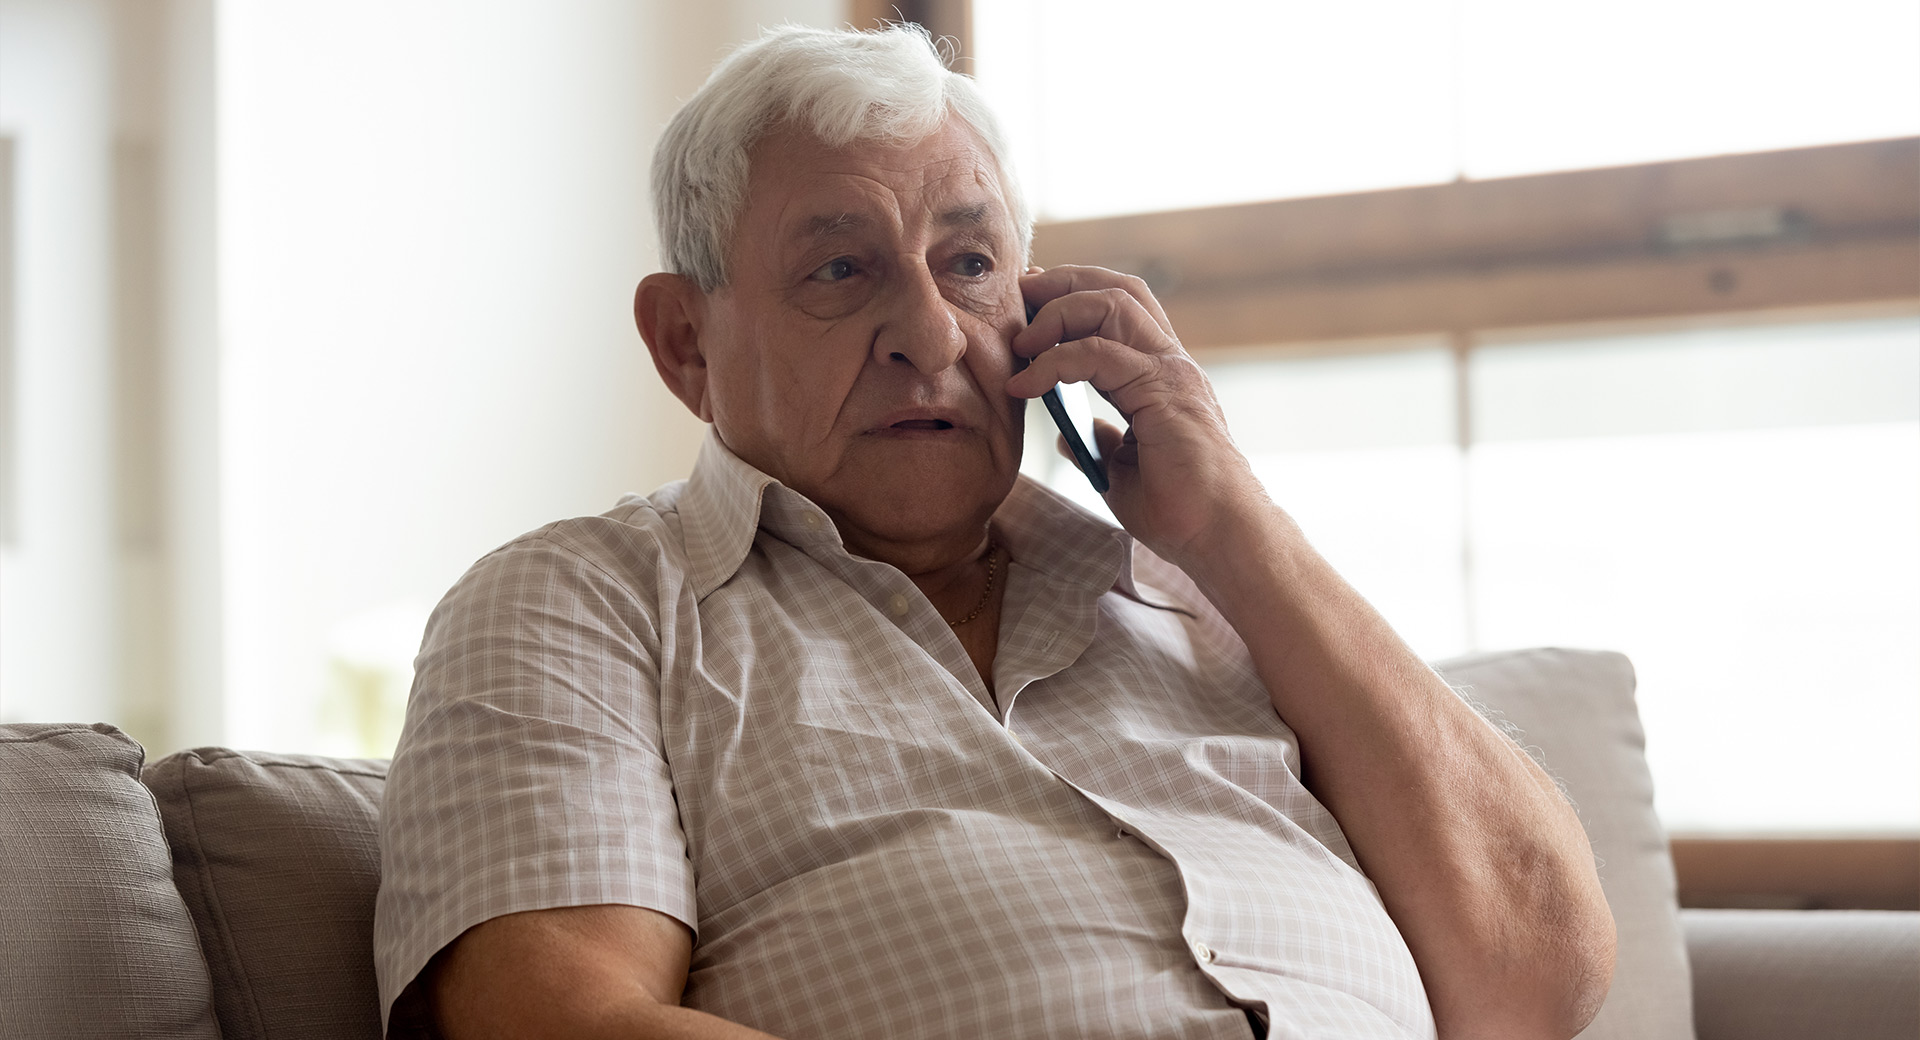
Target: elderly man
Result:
[857, 733]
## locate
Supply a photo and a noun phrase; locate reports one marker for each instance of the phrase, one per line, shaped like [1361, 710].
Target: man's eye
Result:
[834, 270]
[973, 265]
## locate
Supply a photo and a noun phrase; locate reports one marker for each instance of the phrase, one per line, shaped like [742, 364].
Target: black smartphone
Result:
[1067, 403]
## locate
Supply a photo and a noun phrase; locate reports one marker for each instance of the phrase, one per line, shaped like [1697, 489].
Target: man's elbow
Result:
[1558, 947]
[1589, 973]
[1548, 986]
[1572, 979]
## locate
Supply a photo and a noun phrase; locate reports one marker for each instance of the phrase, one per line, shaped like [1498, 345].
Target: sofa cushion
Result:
[94, 940]
[278, 857]
[1574, 710]
[1787, 974]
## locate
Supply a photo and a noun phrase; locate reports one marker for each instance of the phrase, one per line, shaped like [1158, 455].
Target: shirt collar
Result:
[719, 511]
[1053, 534]
[727, 501]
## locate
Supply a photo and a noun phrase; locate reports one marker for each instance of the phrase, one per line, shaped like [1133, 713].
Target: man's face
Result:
[859, 352]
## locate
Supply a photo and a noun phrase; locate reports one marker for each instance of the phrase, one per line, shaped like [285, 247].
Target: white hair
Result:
[842, 86]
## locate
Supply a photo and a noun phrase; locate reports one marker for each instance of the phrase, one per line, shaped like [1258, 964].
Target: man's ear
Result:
[670, 311]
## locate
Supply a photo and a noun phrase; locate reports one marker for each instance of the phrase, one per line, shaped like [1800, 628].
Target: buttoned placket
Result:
[1031, 651]
[1024, 658]
[1036, 658]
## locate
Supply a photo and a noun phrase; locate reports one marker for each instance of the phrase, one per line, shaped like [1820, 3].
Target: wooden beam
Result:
[1804, 227]
[1549, 293]
[1814, 874]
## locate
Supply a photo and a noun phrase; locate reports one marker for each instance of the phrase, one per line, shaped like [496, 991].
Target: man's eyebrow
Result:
[832, 225]
[829, 225]
[971, 216]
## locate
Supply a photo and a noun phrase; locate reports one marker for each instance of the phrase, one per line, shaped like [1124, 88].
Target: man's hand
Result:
[1176, 476]
[1479, 860]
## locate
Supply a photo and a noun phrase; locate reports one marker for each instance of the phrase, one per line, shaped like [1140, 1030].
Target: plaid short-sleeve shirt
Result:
[700, 703]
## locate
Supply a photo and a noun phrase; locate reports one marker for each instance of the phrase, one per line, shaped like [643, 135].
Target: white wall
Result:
[390, 329]
[431, 227]
[58, 630]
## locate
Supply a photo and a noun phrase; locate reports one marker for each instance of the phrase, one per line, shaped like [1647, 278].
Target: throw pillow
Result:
[94, 939]
[279, 857]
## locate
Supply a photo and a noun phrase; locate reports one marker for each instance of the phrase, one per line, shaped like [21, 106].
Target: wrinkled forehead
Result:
[801, 186]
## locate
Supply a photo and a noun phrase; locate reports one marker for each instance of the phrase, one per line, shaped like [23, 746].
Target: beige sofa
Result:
[218, 893]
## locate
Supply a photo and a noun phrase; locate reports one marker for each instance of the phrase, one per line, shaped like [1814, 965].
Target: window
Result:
[1737, 508]
[1262, 100]
[1362, 450]
[1726, 490]
[1739, 511]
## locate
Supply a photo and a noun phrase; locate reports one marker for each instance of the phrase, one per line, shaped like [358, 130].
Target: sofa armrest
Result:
[1791, 974]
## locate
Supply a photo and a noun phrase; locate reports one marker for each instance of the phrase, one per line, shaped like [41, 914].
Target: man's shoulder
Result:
[631, 544]
[637, 520]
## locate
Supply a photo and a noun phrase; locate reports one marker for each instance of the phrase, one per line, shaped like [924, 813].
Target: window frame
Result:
[1572, 248]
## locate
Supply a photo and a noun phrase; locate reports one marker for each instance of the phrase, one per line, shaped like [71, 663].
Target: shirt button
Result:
[812, 520]
[1203, 952]
[898, 605]
[1119, 832]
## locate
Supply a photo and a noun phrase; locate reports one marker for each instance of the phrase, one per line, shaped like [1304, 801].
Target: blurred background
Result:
[1588, 324]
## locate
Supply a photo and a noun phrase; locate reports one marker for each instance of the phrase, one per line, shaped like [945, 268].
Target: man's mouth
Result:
[922, 424]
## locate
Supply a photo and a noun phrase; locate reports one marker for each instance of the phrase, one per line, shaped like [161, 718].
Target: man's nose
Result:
[921, 327]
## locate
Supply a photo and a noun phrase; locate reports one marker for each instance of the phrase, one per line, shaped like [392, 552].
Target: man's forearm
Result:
[1480, 861]
[632, 1016]
[599, 972]
[666, 1022]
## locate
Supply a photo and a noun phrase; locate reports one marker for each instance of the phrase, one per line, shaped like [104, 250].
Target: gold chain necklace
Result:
[993, 564]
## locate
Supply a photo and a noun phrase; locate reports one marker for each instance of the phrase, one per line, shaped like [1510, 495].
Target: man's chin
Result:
[929, 508]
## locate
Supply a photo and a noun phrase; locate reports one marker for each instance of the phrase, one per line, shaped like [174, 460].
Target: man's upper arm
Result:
[530, 774]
